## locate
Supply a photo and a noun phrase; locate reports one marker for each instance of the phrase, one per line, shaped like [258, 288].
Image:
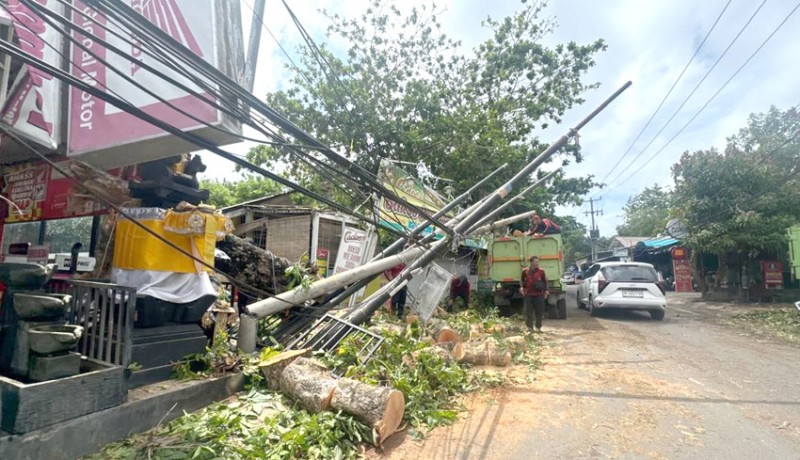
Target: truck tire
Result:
[504, 310]
[561, 308]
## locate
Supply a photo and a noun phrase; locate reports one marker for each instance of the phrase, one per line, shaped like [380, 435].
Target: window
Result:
[23, 232]
[630, 273]
[61, 234]
[592, 271]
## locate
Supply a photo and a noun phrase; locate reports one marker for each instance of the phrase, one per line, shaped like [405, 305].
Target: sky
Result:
[649, 43]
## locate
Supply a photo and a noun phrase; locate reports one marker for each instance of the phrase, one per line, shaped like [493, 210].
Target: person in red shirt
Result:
[539, 226]
[534, 293]
[399, 298]
[459, 288]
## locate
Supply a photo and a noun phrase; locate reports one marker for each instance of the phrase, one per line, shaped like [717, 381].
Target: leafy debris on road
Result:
[783, 323]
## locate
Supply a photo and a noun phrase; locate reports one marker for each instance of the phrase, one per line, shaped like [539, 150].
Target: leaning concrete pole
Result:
[518, 197]
[399, 243]
[373, 303]
[501, 223]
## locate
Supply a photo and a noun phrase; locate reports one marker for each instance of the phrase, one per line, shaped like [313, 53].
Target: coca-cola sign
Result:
[351, 250]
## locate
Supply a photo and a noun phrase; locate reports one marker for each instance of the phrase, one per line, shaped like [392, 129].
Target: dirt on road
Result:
[625, 386]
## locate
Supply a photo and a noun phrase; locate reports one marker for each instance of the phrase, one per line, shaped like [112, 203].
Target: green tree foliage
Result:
[230, 192]
[401, 89]
[646, 213]
[576, 240]
[743, 199]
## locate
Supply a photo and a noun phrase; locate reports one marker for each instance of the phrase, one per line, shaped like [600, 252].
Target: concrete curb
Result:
[88, 434]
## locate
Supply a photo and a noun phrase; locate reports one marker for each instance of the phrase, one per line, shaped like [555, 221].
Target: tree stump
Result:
[308, 382]
[486, 352]
[272, 368]
[381, 408]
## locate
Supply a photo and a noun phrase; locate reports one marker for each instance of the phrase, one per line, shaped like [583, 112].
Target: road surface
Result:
[625, 386]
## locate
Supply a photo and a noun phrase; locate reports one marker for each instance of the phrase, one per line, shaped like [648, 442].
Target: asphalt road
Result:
[625, 386]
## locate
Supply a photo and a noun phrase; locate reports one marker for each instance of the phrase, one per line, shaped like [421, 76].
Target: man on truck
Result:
[534, 292]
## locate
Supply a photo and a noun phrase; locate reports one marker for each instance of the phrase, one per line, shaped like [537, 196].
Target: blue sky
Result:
[649, 42]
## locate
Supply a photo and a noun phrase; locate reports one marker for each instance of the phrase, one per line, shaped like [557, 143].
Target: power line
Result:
[724, 85]
[694, 90]
[664, 99]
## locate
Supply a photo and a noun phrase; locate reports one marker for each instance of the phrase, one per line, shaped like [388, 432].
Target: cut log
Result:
[381, 408]
[272, 368]
[411, 318]
[486, 352]
[308, 382]
[444, 334]
[476, 331]
[456, 349]
[505, 329]
[450, 351]
[516, 344]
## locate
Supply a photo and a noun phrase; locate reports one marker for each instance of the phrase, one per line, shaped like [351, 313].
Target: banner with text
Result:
[404, 185]
[351, 250]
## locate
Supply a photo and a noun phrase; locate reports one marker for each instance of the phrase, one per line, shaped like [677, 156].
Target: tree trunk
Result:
[253, 265]
[486, 352]
[272, 369]
[308, 382]
[504, 329]
[381, 408]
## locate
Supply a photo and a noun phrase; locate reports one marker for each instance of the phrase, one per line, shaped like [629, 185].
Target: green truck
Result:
[794, 250]
[507, 256]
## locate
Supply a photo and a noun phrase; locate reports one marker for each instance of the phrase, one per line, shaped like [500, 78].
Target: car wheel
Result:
[561, 309]
[581, 305]
[657, 315]
[593, 311]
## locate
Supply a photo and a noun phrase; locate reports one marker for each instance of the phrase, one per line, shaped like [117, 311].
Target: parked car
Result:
[568, 278]
[622, 285]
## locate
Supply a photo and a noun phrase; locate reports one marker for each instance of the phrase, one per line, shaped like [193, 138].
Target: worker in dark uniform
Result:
[399, 298]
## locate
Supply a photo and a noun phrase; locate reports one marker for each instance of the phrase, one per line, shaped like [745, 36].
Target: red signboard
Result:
[682, 270]
[772, 272]
[38, 192]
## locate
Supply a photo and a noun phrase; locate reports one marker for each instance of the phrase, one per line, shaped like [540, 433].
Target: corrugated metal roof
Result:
[659, 243]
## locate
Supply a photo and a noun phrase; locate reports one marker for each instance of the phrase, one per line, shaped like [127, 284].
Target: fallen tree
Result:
[255, 266]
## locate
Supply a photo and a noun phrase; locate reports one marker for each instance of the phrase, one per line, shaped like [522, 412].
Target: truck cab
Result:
[510, 254]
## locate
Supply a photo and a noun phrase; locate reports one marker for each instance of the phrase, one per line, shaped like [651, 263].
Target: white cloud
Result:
[648, 43]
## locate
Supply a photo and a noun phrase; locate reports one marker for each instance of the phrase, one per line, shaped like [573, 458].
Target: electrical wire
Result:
[318, 163]
[694, 90]
[138, 24]
[674, 84]
[724, 85]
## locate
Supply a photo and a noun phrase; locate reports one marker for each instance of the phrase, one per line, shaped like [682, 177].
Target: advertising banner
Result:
[681, 269]
[41, 193]
[411, 189]
[772, 272]
[351, 250]
[33, 108]
[111, 134]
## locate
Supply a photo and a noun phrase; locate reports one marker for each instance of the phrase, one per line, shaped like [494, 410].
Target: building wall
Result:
[289, 237]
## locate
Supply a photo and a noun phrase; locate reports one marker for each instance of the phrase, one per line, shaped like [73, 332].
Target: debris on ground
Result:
[296, 408]
[779, 322]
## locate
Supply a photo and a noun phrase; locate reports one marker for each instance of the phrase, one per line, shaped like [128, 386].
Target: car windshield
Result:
[625, 273]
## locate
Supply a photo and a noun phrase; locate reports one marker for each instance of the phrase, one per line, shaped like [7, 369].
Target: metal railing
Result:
[106, 312]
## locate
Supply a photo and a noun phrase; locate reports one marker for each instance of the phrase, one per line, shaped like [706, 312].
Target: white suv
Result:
[622, 285]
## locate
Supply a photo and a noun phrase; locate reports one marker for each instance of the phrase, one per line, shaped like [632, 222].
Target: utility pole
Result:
[594, 233]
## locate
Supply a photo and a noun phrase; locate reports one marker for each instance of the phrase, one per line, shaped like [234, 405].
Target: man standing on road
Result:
[534, 293]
